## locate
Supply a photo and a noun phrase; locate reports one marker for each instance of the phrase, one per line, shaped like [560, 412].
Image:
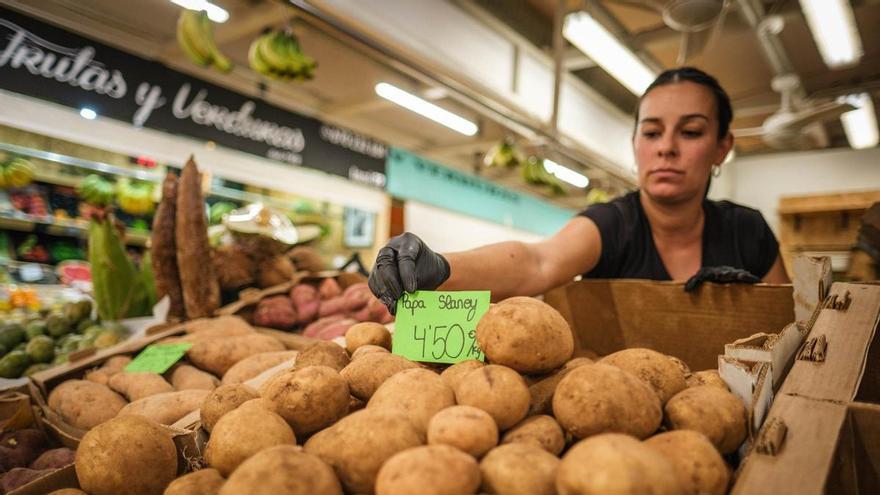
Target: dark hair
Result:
[694, 75]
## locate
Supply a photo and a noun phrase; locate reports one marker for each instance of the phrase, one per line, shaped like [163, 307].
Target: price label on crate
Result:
[439, 326]
[157, 358]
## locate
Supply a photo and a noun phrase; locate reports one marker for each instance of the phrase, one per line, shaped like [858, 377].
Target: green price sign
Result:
[439, 327]
[158, 358]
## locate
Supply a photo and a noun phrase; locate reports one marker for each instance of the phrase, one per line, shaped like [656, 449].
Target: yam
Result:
[18, 477]
[498, 390]
[360, 443]
[128, 454]
[228, 325]
[697, 464]
[662, 374]
[368, 372]
[223, 399]
[201, 292]
[252, 366]
[324, 354]
[417, 393]
[519, 469]
[430, 470]
[308, 398]
[283, 469]
[306, 302]
[615, 464]
[54, 459]
[85, 404]
[243, 432]
[21, 448]
[167, 408]
[137, 385]
[163, 249]
[466, 428]
[218, 355]
[367, 333]
[202, 482]
[714, 412]
[525, 334]
[541, 430]
[186, 377]
[329, 289]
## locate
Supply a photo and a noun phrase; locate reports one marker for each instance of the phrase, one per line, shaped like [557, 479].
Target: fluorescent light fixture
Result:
[87, 113]
[566, 174]
[607, 51]
[860, 124]
[215, 12]
[426, 109]
[834, 29]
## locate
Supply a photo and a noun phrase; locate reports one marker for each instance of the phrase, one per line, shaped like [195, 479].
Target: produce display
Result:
[25, 455]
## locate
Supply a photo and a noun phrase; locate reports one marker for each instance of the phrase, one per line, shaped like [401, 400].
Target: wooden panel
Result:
[826, 231]
[828, 202]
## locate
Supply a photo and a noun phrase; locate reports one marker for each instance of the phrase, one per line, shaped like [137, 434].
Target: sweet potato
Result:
[306, 258]
[18, 477]
[221, 326]
[275, 312]
[166, 408]
[306, 302]
[163, 249]
[328, 289]
[252, 366]
[332, 306]
[19, 448]
[135, 386]
[186, 377]
[335, 329]
[275, 271]
[315, 327]
[356, 297]
[201, 292]
[54, 459]
[218, 355]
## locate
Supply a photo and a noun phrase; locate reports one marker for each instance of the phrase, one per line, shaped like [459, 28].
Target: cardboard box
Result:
[610, 315]
[827, 407]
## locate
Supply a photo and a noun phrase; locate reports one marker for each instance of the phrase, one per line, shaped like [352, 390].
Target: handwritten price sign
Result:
[439, 327]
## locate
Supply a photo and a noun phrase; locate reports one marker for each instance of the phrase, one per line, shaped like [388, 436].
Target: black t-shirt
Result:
[733, 235]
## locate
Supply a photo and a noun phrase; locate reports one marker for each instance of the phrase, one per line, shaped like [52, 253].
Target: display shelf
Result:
[84, 164]
[66, 228]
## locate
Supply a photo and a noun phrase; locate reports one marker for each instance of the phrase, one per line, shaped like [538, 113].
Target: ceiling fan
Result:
[798, 122]
[698, 21]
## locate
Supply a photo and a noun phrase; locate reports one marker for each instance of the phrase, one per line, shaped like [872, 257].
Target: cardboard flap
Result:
[610, 315]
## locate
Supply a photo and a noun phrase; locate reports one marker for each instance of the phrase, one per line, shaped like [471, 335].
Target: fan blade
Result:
[818, 113]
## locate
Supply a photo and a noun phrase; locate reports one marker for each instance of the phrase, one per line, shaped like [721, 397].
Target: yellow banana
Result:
[256, 62]
[189, 38]
[268, 49]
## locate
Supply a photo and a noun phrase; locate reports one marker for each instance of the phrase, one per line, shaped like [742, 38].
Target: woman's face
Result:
[676, 141]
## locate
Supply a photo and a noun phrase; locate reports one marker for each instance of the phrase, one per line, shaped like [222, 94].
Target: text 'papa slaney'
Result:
[445, 302]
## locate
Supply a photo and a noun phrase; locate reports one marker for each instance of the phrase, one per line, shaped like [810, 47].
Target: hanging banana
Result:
[195, 35]
[277, 54]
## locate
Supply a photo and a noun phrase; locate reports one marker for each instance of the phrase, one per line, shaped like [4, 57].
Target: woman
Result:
[666, 230]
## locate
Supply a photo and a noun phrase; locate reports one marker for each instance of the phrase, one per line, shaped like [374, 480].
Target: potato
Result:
[166, 408]
[324, 354]
[453, 374]
[430, 469]
[598, 398]
[466, 428]
[283, 469]
[202, 482]
[714, 412]
[358, 445]
[542, 431]
[222, 325]
[367, 349]
[243, 432]
[698, 466]
[707, 377]
[223, 399]
[128, 454]
[186, 377]
[110, 367]
[418, 393]
[498, 390]
[252, 366]
[541, 392]
[137, 385]
[526, 335]
[662, 374]
[367, 333]
[68, 491]
[309, 398]
[54, 459]
[685, 369]
[519, 469]
[615, 464]
[218, 355]
[368, 372]
[85, 404]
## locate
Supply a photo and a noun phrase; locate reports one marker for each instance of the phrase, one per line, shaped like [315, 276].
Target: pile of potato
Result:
[362, 420]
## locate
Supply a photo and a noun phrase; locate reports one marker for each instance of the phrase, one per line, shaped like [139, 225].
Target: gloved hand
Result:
[720, 274]
[406, 263]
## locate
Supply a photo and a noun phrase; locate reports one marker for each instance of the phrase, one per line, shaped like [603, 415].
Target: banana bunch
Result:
[278, 55]
[534, 173]
[503, 155]
[195, 35]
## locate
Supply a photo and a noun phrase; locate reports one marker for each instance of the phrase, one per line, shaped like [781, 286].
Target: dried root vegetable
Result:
[164, 248]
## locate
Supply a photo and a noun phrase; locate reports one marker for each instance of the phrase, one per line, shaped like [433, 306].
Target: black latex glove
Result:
[720, 274]
[406, 263]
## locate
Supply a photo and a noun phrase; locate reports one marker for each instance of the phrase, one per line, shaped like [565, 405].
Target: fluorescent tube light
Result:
[87, 113]
[215, 12]
[607, 51]
[566, 174]
[426, 109]
[834, 29]
[860, 124]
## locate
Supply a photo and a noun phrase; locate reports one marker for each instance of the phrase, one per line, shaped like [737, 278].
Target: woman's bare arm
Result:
[777, 274]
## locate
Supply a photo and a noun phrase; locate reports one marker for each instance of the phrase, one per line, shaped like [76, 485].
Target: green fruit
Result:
[77, 311]
[57, 325]
[36, 368]
[107, 339]
[85, 343]
[20, 347]
[41, 349]
[13, 364]
[95, 190]
[35, 329]
[93, 331]
[11, 334]
[2, 350]
[18, 173]
[85, 324]
[70, 344]
[60, 358]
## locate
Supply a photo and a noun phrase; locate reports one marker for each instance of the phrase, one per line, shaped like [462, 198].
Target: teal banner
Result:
[413, 177]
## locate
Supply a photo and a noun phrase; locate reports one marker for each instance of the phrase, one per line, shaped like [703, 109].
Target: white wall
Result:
[446, 231]
[759, 181]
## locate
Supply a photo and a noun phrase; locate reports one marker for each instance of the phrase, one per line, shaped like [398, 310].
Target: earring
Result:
[716, 171]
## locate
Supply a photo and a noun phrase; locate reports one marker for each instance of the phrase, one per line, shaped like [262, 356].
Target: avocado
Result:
[35, 329]
[57, 325]
[41, 349]
[11, 334]
[13, 364]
